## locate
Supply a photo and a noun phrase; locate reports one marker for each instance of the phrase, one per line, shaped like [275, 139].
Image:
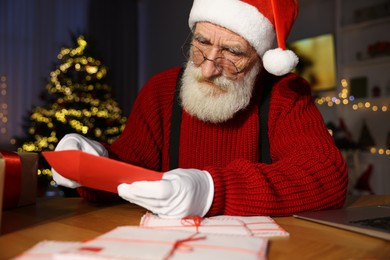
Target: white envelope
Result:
[131, 242]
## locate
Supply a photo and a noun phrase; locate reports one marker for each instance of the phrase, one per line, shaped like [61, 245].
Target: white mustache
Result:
[221, 81]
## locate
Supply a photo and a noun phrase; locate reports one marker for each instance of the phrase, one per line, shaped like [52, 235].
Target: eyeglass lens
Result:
[221, 63]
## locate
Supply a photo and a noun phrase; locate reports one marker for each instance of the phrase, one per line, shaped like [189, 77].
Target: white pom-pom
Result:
[279, 62]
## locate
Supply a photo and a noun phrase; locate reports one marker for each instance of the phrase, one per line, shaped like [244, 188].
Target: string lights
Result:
[343, 98]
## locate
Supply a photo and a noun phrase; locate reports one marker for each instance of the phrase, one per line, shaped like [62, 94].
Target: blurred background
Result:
[344, 49]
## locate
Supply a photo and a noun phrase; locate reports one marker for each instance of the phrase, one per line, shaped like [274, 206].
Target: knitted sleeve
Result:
[144, 141]
[308, 171]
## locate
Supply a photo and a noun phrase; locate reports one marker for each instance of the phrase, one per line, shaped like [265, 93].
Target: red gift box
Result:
[18, 178]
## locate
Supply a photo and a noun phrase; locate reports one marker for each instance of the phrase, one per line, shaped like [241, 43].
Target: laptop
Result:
[370, 220]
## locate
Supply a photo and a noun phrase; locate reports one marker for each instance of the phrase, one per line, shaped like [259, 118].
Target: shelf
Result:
[364, 25]
[368, 62]
[356, 41]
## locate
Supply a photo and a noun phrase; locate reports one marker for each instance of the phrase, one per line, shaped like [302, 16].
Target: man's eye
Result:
[200, 40]
[204, 43]
[234, 53]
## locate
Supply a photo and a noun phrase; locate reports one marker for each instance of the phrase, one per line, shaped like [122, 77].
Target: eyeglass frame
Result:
[187, 51]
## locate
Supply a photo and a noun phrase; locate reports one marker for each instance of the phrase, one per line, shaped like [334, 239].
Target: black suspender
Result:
[265, 156]
[175, 125]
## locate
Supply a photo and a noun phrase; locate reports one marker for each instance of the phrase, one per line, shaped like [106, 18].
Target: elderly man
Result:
[223, 148]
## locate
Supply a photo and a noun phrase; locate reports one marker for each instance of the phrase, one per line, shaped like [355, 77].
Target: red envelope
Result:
[96, 171]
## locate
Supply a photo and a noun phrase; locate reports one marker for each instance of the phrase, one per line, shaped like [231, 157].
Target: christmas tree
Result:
[78, 100]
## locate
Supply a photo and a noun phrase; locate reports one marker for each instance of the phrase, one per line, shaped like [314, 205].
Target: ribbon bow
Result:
[195, 221]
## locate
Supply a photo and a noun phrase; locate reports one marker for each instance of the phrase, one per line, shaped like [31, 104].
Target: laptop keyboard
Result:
[379, 223]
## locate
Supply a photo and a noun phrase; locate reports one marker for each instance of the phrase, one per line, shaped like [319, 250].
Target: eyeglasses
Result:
[224, 65]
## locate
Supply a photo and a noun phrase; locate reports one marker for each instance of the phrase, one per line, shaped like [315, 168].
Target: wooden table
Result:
[74, 219]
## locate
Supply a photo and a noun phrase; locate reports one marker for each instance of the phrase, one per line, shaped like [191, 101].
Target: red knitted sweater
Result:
[308, 172]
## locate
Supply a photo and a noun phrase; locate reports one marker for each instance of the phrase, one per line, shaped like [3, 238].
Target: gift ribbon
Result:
[181, 243]
[195, 221]
[12, 179]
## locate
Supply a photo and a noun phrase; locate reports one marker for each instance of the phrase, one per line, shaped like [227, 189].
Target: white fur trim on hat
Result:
[265, 27]
[239, 17]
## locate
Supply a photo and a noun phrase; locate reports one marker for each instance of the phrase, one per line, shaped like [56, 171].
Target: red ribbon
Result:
[180, 243]
[187, 221]
[192, 221]
[12, 179]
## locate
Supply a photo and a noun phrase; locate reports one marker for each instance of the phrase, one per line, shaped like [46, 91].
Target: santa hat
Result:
[265, 24]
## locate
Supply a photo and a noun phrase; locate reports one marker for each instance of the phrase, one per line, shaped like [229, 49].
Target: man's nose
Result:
[209, 67]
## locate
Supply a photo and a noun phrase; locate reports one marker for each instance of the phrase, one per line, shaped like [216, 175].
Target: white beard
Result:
[218, 103]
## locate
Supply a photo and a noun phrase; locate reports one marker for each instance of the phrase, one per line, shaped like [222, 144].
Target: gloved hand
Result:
[180, 193]
[76, 142]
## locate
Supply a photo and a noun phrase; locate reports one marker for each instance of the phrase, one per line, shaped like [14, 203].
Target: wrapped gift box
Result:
[18, 178]
[132, 242]
[258, 226]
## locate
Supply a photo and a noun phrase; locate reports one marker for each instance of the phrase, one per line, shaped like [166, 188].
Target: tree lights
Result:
[78, 100]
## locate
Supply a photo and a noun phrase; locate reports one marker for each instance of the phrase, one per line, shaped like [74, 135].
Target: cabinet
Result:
[363, 70]
[363, 65]
[363, 46]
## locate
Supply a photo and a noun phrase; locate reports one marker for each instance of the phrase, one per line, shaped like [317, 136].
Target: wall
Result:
[315, 17]
[31, 35]
[163, 28]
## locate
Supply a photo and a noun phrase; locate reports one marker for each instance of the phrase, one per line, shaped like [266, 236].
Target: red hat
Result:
[264, 24]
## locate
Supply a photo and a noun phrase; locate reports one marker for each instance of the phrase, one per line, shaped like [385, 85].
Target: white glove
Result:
[180, 193]
[77, 142]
